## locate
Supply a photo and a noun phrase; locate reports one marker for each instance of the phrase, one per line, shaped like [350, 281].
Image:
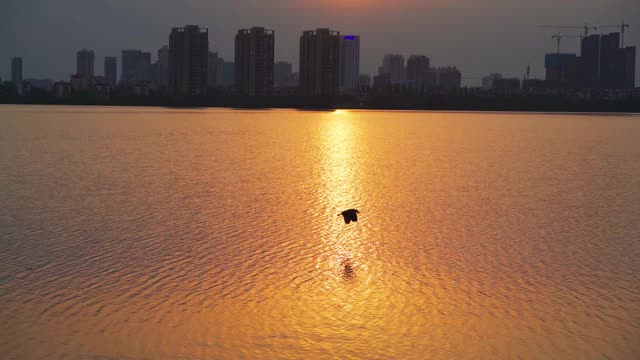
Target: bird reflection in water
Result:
[348, 271]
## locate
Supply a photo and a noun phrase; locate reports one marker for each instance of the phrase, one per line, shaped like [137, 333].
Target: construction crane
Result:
[622, 26]
[586, 27]
[559, 36]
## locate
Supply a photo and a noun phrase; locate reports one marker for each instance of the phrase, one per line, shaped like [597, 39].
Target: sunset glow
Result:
[320, 179]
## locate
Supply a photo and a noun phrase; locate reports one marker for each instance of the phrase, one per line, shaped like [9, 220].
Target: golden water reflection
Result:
[341, 162]
[197, 234]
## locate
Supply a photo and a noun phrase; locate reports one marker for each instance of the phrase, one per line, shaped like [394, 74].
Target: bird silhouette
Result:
[350, 215]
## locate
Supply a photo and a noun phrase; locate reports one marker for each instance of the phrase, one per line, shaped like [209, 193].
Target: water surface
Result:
[133, 233]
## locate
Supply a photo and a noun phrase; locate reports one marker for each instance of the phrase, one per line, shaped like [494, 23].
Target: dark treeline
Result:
[382, 99]
[490, 101]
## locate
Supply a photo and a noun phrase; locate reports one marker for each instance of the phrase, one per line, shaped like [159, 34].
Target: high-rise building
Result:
[561, 69]
[604, 65]
[129, 61]
[382, 80]
[212, 69]
[16, 70]
[143, 67]
[393, 65]
[163, 56]
[449, 77]
[364, 81]
[431, 78]
[188, 60]
[610, 76]
[320, 62]
[84, 63]
[617, 65]
[225, 73]
[628, 55]
[282, 71]
[417, 66]
[136, 66]
[349, 62]
[111, 70]
[160, 69]
[254, 61]
[588, 64]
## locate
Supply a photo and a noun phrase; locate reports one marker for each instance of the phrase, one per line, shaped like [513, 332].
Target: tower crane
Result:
[622, 26]
[559, 36]
[586, 27]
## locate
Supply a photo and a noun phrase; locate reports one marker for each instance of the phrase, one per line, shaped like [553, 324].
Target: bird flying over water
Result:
[350, 215]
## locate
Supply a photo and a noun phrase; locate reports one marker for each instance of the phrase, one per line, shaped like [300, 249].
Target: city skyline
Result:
[329, 63]
[409, 28]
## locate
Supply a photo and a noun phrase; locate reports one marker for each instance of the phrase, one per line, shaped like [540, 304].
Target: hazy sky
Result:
[477, 36]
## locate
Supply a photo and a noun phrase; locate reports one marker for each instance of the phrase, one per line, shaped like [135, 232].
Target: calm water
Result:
[130, 233]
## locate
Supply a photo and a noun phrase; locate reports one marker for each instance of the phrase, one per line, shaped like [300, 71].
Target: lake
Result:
[151, 233]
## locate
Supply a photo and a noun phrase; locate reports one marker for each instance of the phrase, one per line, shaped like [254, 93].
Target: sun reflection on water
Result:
[340, 168]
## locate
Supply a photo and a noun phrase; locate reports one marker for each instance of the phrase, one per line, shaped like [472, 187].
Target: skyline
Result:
[407, 29]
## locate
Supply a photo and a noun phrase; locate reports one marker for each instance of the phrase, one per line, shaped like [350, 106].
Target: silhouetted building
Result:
[588, 64]
[212, 69]
[282, 71]
[393, 64]
[42, 84]
[561, 69]
[611, 68]
[320, 62]
[225, 74]
[16, 70]
[381, 80]
[617, 65]
[628, 55]
[364, 82]
[100, 89]
[254, 61]
[136, 66]
[24, 88]
[81, 83]
[111, 70]
[349, 62]
[604, 65]
[449, 77]
[84, 62]
[160, 69]
[417, 66]
[487, 81]
[61, 89]
[430, 78]
[539, 86]
[129, 61]
[188, 60]
[143, 67]
[506, 84]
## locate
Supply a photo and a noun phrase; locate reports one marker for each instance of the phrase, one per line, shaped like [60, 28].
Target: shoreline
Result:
[531, 105]
[351, 109]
